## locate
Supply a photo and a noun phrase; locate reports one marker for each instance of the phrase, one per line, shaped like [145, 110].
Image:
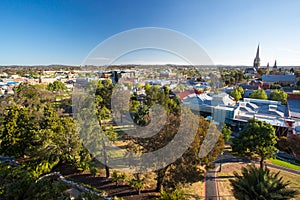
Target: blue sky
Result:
[65, 31]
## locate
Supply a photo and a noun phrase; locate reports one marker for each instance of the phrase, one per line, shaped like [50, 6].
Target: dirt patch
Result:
[194, 191]
[106, 185]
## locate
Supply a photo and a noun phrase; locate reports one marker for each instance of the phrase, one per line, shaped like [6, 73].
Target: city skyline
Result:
[64, 32]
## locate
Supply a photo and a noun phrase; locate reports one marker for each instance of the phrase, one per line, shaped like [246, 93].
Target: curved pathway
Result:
[211, 186]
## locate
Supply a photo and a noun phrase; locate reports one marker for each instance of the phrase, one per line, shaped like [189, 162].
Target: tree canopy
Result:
[278, 95]
[32, 128]
[237, 93]
[259, 94]
[257, 139]
[18, 133]
[226, 131]
[57, 86]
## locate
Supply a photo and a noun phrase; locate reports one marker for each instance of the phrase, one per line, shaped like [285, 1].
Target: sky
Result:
[43, 32]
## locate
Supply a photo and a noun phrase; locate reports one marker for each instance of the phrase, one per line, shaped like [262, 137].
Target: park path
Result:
[211, 186]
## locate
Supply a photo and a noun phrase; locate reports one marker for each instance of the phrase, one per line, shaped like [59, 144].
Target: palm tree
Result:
[259, 183]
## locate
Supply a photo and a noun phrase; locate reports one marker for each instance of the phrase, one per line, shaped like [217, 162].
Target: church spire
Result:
[257, 51]
[275, 65]
[256, 63]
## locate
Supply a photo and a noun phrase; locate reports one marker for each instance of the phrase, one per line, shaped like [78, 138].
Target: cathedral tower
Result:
[256, 63]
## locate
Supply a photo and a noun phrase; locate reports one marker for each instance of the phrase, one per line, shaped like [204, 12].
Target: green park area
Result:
[284, 164]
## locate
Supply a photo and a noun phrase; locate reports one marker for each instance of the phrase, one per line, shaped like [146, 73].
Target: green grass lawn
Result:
[284, 164]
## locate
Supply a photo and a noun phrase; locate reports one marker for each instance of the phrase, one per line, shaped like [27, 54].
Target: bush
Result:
[259, 183]
[175, 195]
[93, 171]
[118, 178]
[137, 184]
[83, 166]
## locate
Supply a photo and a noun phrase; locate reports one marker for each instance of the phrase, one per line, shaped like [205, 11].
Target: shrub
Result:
[175, 195]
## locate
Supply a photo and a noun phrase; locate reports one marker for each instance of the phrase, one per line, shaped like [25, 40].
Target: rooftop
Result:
[278, 78]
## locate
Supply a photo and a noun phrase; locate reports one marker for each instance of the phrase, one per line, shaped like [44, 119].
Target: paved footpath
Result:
[211, 185]
[283, 169]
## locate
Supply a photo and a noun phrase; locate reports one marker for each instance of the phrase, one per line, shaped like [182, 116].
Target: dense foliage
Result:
[259, 94]
[186, 168]
[56, 86]
[232, 77]
[35, 130]
[174, 195]
[32, 131]
[257, 139]
[259, 183]
[237, 93]
[278, 95]
[226, 131]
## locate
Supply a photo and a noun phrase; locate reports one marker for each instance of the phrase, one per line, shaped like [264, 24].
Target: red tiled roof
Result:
[184, 94]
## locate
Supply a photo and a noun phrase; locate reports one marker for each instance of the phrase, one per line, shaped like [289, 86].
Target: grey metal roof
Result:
[279, 78]
[222, 99]
[263, 107]
[294, 106]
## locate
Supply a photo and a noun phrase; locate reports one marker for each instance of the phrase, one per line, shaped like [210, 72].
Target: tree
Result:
[17, 136]
[283, 144]
[57, 86]
[259, 183]
[232, 80]
[112, 135]
[236, 94]
[141, 117]
[259, 94]
[58, 142]
[31, 127]
[32, 97]
[17, 183]
[186, 168]
[257, 139]
[278, 95]
[241, 90]
[290, 144]
[294, 144]
[226, 131]
[104, 91]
